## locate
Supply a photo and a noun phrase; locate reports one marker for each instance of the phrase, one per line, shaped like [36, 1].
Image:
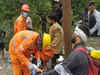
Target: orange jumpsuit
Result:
[20, 24]
[22, 45]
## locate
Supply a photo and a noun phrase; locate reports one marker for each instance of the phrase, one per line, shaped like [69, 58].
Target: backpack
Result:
[93, 69]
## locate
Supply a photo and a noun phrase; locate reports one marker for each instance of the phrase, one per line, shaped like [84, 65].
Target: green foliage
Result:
[38, 6]
[98, 4]
[10, 10]
[77, 7]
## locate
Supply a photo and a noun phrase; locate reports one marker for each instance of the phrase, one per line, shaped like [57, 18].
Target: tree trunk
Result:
[67, 21]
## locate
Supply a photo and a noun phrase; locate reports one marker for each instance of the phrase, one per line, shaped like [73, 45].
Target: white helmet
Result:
[57, 0]
[81, 34]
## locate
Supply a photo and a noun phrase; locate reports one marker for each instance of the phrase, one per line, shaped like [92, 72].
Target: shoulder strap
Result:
[82, 49]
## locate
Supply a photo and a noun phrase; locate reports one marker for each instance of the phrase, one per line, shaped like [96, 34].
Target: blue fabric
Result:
[25, 14]
[34, 73]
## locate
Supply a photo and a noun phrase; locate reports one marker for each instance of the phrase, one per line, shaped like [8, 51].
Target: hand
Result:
[39, 70]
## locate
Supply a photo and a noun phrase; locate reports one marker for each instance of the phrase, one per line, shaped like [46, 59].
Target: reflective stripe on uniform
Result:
[25, 38]
[13, 44]
[27, 31]
[21, 47]
[31, 32]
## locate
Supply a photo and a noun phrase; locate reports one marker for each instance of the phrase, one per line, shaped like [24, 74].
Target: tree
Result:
[78, 7]
[10, 10]
[67, 21]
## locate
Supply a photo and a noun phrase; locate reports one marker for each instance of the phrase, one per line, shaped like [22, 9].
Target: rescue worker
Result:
[23, 22]
[77, 61]
[57, 35]
[25, 43]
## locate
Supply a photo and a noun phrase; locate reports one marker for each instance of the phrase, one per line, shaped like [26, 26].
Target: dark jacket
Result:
[77, 63]
[92, 21]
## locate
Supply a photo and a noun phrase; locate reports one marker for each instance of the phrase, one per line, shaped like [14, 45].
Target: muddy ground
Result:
[94, 42]
[5, 66]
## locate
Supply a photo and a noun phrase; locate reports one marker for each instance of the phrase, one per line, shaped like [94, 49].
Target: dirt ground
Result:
[6, 66]
[94, 42]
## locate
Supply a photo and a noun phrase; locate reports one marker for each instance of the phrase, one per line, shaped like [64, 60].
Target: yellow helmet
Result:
[46, 40]
[95, 54]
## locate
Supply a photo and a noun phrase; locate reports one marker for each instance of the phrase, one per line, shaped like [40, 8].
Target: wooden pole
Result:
[67, 21]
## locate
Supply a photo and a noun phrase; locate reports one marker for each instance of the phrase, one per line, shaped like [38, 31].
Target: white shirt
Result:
[97, 25]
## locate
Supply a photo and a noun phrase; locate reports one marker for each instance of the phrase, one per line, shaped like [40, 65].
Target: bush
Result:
[10, 10]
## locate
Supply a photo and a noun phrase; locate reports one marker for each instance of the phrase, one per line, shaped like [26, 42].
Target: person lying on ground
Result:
[77, 61]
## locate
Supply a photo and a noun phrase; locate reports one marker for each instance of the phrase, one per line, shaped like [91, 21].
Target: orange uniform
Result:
[20, 24]
[22, 45]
